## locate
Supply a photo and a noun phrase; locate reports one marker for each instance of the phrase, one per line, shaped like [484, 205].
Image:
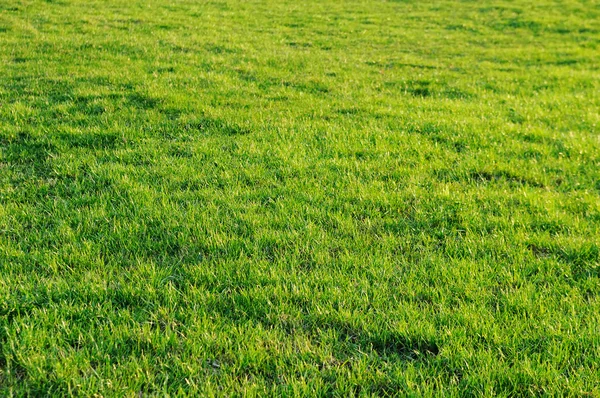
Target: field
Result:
[284, 198]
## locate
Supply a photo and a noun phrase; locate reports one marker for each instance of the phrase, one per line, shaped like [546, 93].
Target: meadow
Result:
[299, 198]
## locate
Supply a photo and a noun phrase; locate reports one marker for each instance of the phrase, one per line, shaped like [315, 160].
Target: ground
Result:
[275, 197]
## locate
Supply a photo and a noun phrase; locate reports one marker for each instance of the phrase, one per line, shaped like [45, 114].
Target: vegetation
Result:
[329, 198]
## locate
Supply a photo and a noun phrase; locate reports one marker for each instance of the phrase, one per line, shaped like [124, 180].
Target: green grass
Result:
[329, 198]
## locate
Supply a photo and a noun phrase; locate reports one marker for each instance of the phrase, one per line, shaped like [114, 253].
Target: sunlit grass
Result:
[329, 198]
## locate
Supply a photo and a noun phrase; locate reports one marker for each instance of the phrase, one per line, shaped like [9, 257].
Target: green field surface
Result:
[299, 198]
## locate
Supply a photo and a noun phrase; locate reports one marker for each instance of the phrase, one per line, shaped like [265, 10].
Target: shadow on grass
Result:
[92, 140]
[583, 260]
[199, 127]
[28, 154]
[388, 344]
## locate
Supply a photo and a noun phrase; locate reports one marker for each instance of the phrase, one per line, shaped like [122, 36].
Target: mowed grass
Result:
[325, 198]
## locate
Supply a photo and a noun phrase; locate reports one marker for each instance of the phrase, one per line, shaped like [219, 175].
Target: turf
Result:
[325, 198]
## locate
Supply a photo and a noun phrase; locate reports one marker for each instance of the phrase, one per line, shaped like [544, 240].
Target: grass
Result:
[329, 198]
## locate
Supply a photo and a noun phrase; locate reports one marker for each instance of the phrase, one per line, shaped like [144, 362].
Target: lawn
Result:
[299, 198]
